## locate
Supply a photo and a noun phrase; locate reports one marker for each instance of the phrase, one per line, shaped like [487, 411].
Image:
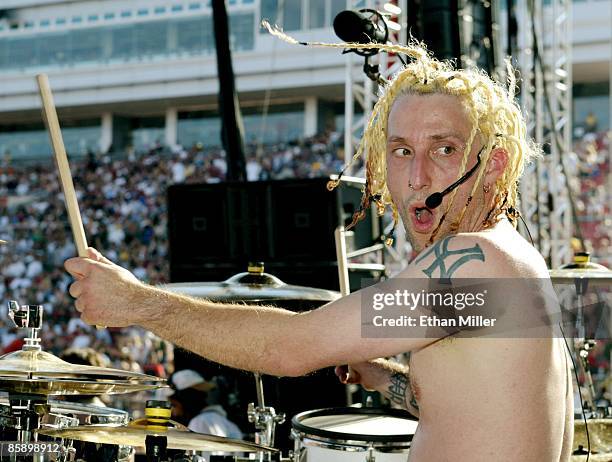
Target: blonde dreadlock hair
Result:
[492, 110]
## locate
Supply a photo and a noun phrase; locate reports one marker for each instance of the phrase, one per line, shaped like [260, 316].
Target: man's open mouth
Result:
[422, 217]
[423, 214]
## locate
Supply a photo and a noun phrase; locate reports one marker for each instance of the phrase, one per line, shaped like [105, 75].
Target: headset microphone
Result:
[435, 199]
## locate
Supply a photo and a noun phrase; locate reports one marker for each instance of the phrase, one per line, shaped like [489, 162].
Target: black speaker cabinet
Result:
[216, 229]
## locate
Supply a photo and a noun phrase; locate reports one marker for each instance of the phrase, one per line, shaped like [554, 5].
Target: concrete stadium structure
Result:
[144, 71]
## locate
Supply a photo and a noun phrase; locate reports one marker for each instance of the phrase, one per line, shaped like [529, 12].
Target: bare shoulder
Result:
[496, 253]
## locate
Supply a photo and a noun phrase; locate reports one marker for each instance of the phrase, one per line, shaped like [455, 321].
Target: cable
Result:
[586, 426]
[527, 229]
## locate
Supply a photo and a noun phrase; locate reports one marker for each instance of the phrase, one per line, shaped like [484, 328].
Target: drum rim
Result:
[330, 434]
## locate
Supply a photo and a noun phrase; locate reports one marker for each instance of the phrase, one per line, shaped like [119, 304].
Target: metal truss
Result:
[546, 99]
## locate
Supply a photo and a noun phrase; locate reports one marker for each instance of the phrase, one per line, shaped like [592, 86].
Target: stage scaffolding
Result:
[546, 98]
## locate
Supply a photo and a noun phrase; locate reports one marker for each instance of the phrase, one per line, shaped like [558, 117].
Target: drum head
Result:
[357, 424]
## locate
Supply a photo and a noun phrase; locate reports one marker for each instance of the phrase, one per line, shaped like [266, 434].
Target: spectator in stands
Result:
[196, 403]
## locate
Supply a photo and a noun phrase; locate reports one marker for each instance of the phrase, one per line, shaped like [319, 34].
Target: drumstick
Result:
[57, 143]
[72, 206]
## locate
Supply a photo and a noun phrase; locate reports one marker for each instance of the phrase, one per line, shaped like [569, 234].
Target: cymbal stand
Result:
[26, 408]
[582, 345]
[265, 419]
[27, 317]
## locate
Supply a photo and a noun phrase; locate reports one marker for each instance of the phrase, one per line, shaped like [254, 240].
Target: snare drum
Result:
[352, 434]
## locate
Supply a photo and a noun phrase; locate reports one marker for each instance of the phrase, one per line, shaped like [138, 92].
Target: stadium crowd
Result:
[593, 204]
[123, 208]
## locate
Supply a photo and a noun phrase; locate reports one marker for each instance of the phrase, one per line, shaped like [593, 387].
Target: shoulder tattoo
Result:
[445, 261]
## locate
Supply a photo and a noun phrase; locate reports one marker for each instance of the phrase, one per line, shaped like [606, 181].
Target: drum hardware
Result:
[31, 376]
[33, 372]
[156, 423]
[135, 433]
[27, 317]
[157, 448]
[64, 414]
[583, 273]
[583, 346]
[26, 412]
[263, 417]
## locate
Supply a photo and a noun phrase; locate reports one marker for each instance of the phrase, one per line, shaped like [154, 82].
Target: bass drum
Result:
[353, 435]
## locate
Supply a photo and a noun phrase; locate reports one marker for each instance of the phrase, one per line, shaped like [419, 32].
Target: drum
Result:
[66, 413]
[352, 434]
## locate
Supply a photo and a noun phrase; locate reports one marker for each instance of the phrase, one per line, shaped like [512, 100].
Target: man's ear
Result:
[496, 165]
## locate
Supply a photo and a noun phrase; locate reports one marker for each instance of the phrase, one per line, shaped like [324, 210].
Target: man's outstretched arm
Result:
[263, 339]
[267, 340]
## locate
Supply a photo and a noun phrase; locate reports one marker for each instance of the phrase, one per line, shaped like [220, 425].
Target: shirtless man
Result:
[478, 399]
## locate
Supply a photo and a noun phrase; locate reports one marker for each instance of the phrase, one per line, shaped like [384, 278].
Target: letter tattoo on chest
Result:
[443, 257]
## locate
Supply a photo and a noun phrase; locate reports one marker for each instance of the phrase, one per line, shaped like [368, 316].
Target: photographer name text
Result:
[433, 321]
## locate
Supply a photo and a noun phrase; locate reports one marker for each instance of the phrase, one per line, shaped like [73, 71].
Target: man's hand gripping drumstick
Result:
[57, 143]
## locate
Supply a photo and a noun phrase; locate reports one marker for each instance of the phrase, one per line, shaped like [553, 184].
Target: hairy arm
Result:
[264, 339]
[267, 340]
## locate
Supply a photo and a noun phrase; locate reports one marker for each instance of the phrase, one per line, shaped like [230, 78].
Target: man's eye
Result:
[402, 152]
[445, 150]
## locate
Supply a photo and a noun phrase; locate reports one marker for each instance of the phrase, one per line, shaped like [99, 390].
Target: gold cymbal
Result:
[600, 432]
[135, 435]
[41, 373]
[34, 364]
[253, 288]
[569, 276]
[65, 387]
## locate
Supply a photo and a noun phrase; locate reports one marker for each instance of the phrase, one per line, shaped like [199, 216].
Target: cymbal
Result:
[568, 276]
[135, 435]
[250, 287]
[63, 387]
[600, 432]
[39, 372]
[32, 364]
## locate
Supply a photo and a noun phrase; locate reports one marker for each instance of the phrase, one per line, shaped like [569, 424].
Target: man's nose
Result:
[419, 173]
